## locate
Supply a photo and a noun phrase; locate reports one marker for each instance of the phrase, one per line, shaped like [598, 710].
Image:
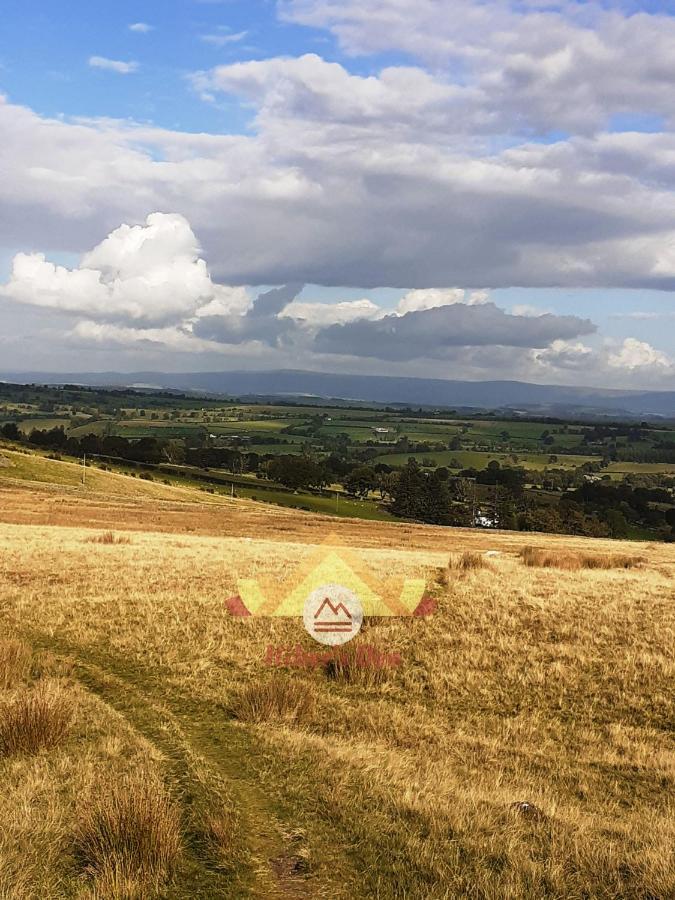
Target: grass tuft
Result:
[35, 720]
[467, 562]
[129, 837]
[15, 662]
[109, 537]
[274, 700]
[350, 667]
[560, 559]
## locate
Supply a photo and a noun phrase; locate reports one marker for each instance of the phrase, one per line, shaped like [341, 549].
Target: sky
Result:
[474, 189]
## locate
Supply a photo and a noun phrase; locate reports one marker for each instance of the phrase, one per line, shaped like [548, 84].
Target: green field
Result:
[216, 423]
[342, 506]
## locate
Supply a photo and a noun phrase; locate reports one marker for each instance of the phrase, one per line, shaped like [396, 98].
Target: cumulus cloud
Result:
[321, 314]
[634, 354]
[540, 66]
[149, 273]
[433, 298]
[113, 65]
[629, 363]
[310, 89]
[140, 27]
[226, 301]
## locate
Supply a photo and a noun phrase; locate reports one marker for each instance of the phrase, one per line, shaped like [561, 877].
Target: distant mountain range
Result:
[543, 399]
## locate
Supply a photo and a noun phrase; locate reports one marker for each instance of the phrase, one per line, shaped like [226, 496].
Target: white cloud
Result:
[227, 301]
[632, 363]
[432, 298]
[144, 273]
[566, 354]
[113, 65]
[321, 314]
[141, 27]
[542, 66]
[222, 39]
[120, 335]
[634, 354]
[309, 89]
[526, 309]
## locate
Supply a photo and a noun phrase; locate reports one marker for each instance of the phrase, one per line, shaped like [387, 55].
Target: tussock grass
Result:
[36, 719]
[129, 837]
[15, 663]
[109, 537]
[348, 667]
[467, 562]
[562, 559]
[276, 699]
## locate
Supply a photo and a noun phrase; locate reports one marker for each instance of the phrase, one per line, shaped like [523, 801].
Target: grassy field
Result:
[523, 749]
[33, 467]
[36, 467]
[27, 425]
[632, 468]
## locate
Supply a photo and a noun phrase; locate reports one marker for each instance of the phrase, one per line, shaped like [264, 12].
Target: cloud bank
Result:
[147, 286]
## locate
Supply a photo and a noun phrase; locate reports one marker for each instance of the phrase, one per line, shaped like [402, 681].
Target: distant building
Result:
[483, 521]
[382, 435]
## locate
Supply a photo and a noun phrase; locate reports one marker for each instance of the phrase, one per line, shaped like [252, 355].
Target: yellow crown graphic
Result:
[329, 564]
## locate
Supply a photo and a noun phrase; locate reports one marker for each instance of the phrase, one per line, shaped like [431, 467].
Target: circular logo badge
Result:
[333, 614]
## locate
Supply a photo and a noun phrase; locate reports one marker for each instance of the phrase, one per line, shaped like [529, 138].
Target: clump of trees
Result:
[425, 496]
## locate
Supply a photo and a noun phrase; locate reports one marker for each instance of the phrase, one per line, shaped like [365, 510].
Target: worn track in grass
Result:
[208, 758]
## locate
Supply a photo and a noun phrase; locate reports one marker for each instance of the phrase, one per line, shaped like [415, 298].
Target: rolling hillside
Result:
[523, 748]
[555, 399]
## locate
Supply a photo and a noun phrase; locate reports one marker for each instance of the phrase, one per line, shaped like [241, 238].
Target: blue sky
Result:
[46, 47]
[509, 158]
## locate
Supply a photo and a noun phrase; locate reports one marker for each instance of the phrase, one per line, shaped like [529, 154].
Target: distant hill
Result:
[544, 399]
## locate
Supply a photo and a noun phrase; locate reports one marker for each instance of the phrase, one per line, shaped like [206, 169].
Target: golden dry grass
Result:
[15, 660]
[109, 537]
[531, 684]
[349, 667]
[561, 559]
[275, 699]
[35, 720]
[465, 562]
[128, 837]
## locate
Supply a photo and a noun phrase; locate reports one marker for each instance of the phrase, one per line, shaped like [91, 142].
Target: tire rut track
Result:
[200, 775]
